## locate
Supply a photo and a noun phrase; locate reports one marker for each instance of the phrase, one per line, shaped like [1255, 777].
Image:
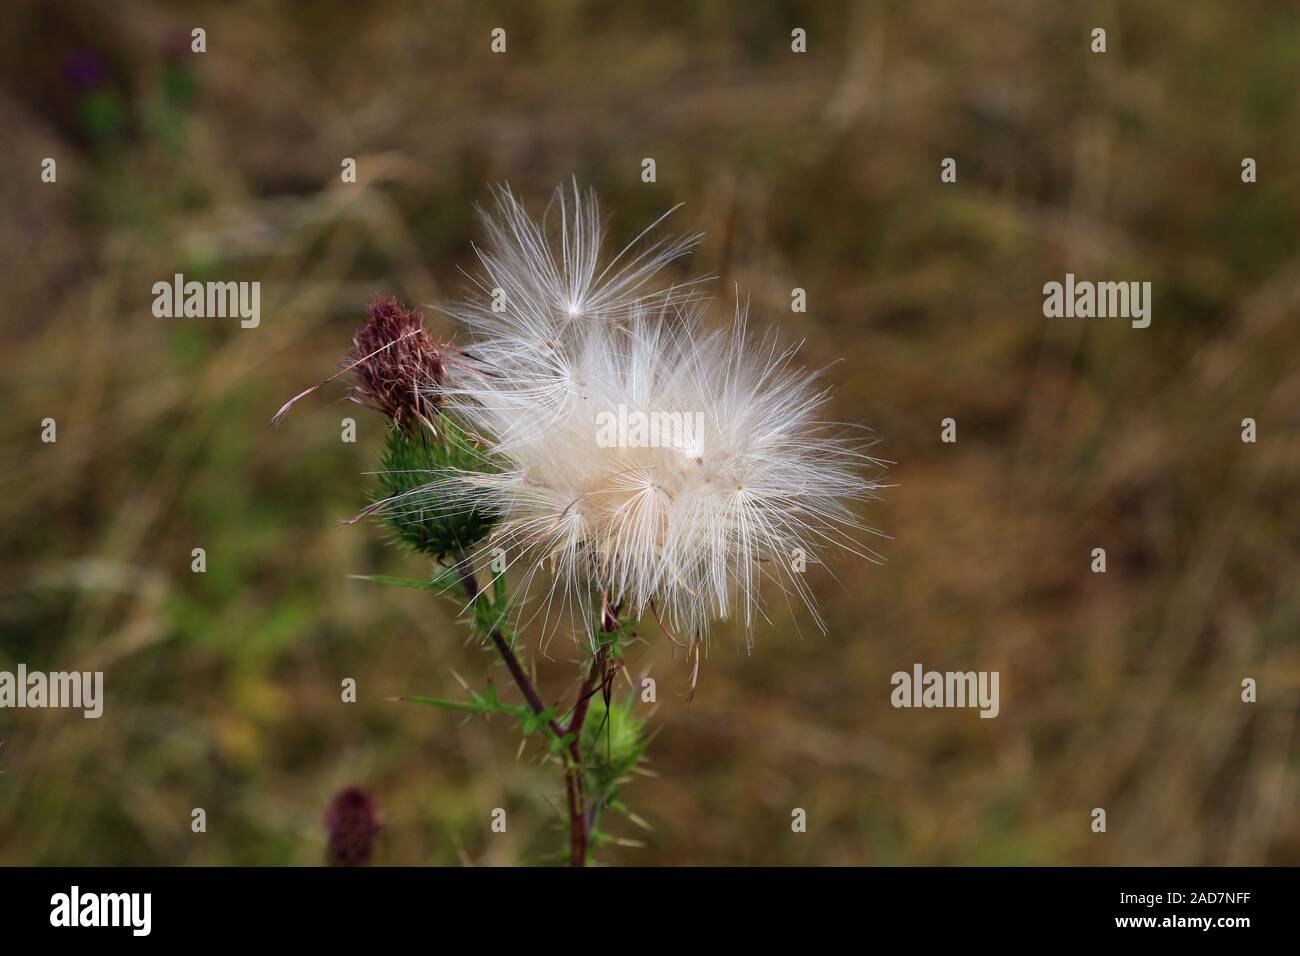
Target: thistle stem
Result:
[579, 821]
[470, 583]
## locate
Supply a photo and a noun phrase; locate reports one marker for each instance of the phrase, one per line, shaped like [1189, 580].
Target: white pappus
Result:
[754, 488]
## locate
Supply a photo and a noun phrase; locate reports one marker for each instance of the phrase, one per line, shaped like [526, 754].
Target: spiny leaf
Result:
[400, 582]
[489, 702]
[468, 707]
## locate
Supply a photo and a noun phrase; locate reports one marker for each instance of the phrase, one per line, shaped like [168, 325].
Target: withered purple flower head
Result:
[397, 364]
[353, 826]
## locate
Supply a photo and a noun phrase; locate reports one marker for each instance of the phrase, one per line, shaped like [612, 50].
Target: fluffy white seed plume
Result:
[642, 455]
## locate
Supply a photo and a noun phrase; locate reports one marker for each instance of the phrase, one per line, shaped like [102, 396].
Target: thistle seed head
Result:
[576, 381]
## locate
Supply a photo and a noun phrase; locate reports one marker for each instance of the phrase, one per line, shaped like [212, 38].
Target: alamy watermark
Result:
[130, 910]
[922, 688]
[82, 690]
[633, 428]
[1101, 300]
[208, 300]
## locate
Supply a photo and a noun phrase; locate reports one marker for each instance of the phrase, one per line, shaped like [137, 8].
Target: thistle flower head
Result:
[640, 454]
[398, 366]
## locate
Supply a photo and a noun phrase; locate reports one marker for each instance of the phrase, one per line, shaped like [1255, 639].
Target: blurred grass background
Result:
[819, 171]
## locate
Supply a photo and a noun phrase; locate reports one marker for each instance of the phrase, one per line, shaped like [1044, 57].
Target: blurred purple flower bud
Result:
[85, 69]
[352, 825]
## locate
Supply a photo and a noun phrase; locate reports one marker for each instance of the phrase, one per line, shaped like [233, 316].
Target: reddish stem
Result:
[574, 789]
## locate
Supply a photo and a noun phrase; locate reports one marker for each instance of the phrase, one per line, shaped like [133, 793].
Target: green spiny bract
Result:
[418, 515]
[613, 741]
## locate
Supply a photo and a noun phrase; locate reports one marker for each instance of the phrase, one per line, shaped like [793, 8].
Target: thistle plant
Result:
[591, 456]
